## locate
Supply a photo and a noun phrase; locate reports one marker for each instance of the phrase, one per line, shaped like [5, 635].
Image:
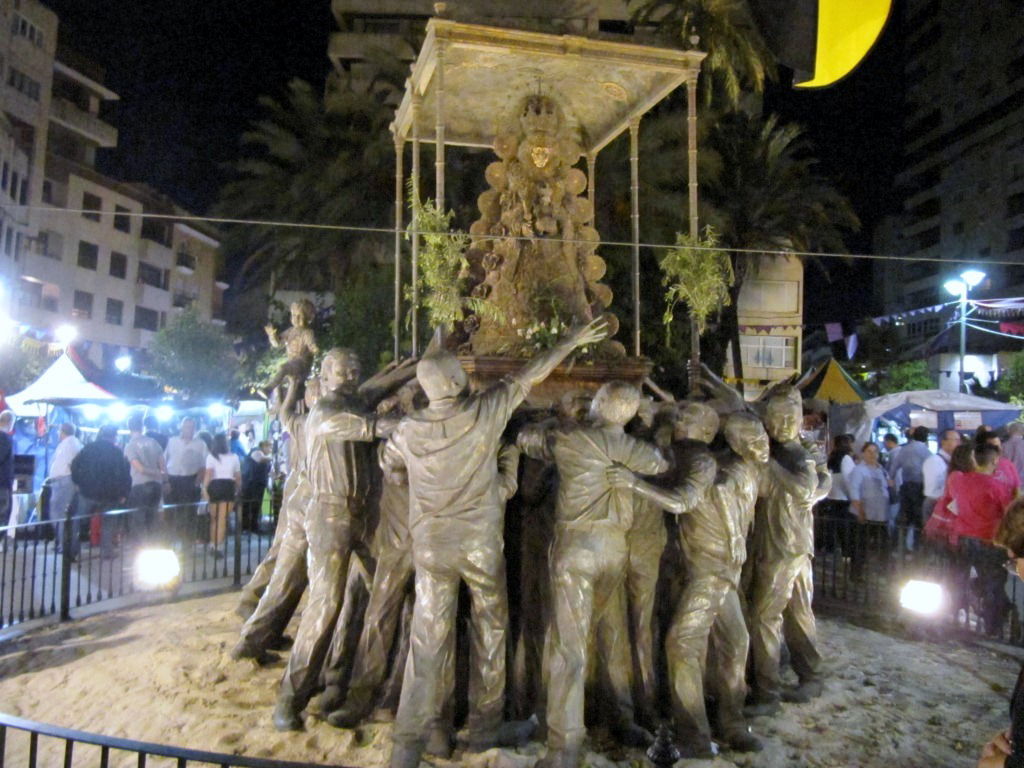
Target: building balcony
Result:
[78, 120]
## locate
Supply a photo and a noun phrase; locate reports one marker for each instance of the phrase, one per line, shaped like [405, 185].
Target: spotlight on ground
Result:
[157, 569]
[922, 598]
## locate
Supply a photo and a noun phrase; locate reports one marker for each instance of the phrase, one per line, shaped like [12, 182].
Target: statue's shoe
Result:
[285, 716]
[514, 733]
[439, 743]
[633, 735]
[742, 740]
[804, 692]
[243, 650]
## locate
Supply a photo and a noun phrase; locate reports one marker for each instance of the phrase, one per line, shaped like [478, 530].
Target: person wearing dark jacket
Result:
[1006, 748]
[6, 463]
[103, 477]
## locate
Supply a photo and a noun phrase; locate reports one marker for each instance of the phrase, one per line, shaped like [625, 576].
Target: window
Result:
[768, 351]
[82, 305]
[24, 192]
[22, 83]
[927, 209]
[30, 293]
[24, 28]
[157, 231]
[14, 184]
[121, 220]
[51, 244]
[118, 265]
[928, 238]
[147, 319]
[958, 227]
[47, 191]
[8, 241]
[5, 174]
[1015, 204]
[115, 311]
[771, 296]
[88, 255]
[150, 275]
[91, 206]
[1015, 242]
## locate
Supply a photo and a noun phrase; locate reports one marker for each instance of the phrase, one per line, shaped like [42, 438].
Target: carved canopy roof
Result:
[487, 71]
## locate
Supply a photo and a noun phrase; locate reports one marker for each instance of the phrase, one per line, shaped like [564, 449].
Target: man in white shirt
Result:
[934, 471]
[62, 489]
[186, 464]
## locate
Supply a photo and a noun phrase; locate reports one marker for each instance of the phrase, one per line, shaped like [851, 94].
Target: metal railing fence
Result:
[50, 745]
[54, 567]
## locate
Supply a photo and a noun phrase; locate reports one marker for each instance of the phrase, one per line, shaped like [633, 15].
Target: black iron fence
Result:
[865, 566]
[55, 567]
[31, 744]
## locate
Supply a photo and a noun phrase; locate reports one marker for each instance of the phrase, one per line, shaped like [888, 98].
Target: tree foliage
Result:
[312, 160]
[737, 59]
[1011, 380]
[906, 377]
[193, 357]
[699, 274]
[21, 363]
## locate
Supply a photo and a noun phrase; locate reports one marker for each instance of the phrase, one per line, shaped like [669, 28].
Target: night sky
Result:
[189, 73]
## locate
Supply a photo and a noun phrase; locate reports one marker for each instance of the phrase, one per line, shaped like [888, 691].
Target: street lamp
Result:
[960, 287]
[65, 334]
[123, 363]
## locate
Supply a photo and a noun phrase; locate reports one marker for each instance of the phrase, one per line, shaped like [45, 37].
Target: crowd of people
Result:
[906, 496]
[594, 483]
[154, 475]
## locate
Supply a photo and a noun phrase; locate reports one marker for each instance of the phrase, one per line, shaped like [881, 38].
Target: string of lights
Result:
[608, 243]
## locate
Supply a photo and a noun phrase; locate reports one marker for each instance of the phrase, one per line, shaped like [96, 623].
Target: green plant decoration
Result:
[443, 268]
[698, 273]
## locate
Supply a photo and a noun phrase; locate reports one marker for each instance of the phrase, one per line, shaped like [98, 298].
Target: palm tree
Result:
[737, 60]
[313, 160]
[767, 195]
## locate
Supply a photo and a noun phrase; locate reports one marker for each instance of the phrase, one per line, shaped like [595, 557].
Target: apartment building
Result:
[112, 259]
[962, 173]
[397, 25]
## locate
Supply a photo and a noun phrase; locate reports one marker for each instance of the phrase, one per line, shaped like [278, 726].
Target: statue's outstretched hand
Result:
[591, 333]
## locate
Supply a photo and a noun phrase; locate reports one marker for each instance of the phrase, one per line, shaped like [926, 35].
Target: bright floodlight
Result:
[972, 277]
[118, 412]
[925, 598]
[91, 411]
[164, 413]
[65, 334]
[156, 569]
[216, 410]
[955, 287]
[123, 363]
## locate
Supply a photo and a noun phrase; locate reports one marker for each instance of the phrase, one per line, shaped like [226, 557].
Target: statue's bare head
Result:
[302, 312]
[745, 434]
[615, 403]
[783, 414]
[340, 371]
[696, 421]
[441, 376]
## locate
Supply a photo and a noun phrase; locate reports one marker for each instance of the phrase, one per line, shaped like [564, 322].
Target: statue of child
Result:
[299, 344]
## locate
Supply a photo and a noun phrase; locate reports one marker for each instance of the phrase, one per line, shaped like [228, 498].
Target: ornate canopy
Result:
[482, 73]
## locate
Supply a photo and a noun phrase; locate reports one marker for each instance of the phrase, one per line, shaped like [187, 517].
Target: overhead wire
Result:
[524, 238]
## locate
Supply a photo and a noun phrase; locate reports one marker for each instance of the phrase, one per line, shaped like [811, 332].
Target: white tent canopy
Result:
[861, 417]
[62, 382]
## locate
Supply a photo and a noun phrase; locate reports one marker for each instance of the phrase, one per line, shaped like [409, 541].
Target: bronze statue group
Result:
[401, 484]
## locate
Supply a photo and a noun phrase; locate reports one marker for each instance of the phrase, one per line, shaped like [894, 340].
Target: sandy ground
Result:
[161, 673]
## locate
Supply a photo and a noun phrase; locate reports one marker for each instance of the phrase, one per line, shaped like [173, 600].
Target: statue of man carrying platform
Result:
[456, 518]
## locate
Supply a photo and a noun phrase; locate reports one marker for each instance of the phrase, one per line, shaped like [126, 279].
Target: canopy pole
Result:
[399, 195]
[691, 158]
[439, 130]
[416, 100]
[634, 188]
